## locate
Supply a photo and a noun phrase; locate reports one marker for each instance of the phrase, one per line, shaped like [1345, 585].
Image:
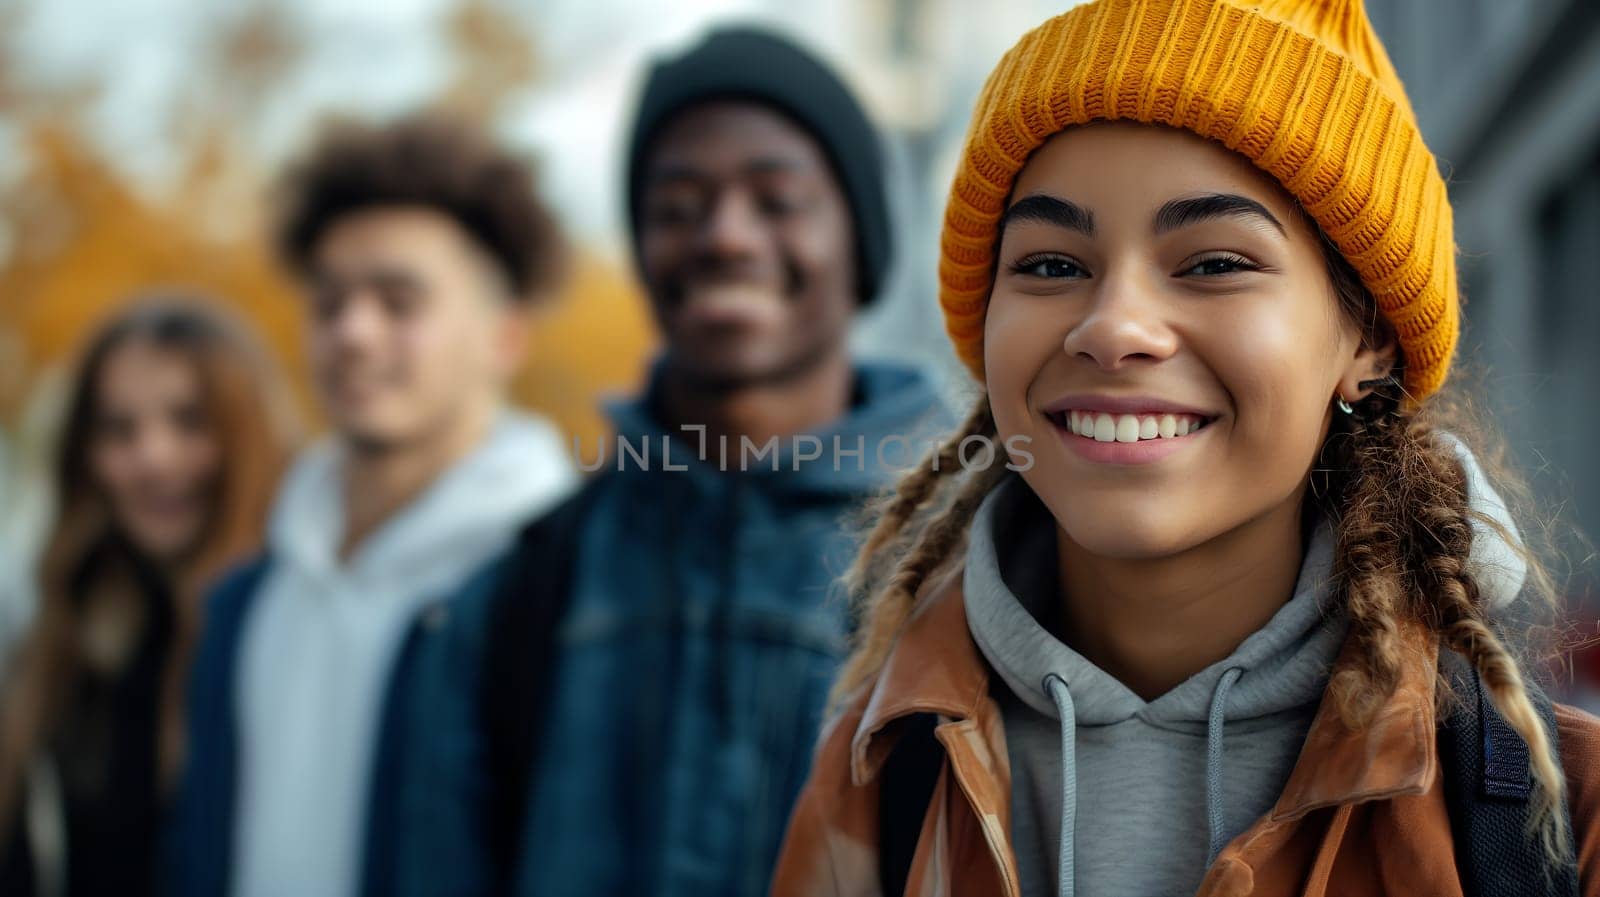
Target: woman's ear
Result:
[1375, 359]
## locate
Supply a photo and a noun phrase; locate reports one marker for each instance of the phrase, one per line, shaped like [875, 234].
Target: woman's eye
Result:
[1218, 265]
[1051, 267]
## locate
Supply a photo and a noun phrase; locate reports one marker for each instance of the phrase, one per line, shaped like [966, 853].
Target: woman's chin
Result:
[1126, 536]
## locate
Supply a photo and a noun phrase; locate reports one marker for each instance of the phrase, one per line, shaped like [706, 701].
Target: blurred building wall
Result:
[1509, 99]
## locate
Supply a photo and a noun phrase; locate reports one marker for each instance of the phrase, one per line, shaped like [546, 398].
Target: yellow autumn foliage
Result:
[82, 239]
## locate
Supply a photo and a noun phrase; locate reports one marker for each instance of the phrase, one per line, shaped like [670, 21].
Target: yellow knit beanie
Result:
[1302, 88]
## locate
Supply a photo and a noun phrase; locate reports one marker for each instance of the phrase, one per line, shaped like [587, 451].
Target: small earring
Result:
[1343, 405]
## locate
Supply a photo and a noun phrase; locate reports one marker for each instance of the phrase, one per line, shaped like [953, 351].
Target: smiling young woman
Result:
[1226, 631]
[177, 425]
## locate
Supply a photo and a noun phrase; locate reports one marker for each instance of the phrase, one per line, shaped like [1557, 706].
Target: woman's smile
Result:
[1125, 430]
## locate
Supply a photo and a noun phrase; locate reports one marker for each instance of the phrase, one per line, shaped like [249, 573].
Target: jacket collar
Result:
[1395, 754]
[935, 667]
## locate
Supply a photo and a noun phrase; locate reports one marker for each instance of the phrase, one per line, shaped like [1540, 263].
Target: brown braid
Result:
[1404, 535]
[911, 494]
[1398, 496]
[885, 608]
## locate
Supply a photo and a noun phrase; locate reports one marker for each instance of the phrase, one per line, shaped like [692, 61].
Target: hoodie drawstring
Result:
[1219, 704]
[1056, 688]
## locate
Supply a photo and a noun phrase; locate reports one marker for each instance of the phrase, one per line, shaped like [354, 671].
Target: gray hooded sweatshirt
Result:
[1115, 796]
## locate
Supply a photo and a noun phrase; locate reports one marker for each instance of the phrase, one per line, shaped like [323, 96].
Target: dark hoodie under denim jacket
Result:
[690, 669]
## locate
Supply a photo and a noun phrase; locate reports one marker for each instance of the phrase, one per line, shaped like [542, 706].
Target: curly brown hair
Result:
[1389, 480]
[430, 161]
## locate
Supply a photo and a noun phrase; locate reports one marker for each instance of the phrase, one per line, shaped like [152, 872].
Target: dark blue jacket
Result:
[688, 672]
[199, 839]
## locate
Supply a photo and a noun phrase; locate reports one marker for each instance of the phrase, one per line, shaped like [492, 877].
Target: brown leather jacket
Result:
[1363, 812]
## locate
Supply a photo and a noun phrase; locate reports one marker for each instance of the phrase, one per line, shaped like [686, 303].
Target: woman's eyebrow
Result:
[1052, 210]
[1195, 209]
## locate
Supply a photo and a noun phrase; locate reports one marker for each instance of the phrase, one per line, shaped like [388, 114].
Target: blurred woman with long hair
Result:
[177, 427]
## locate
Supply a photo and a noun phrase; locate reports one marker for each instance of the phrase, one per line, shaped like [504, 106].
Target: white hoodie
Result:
[323, 635]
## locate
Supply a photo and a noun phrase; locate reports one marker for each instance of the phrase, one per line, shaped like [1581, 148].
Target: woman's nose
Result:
[1125, 323]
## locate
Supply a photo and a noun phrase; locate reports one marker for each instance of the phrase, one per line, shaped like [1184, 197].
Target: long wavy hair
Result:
[1396, 494]
[92, 574]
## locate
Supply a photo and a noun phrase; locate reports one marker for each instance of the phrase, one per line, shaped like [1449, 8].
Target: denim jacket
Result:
[689, 669]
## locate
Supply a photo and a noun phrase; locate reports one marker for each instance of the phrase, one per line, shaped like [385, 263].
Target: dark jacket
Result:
[698, 636]
[91, 799]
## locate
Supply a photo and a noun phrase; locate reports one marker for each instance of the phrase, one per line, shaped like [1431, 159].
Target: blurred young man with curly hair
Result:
[421, 250]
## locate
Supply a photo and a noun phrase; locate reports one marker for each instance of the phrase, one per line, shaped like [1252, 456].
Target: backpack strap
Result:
[905, 786]
[531, 599]
[1489, 789]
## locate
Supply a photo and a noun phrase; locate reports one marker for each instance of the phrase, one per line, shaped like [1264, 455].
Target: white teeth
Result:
[1105, 430]
[1103, 427]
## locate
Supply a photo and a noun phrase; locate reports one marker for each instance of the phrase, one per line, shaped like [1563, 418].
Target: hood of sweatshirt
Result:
[1010, 580]
[465, 517]
[894, 418]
